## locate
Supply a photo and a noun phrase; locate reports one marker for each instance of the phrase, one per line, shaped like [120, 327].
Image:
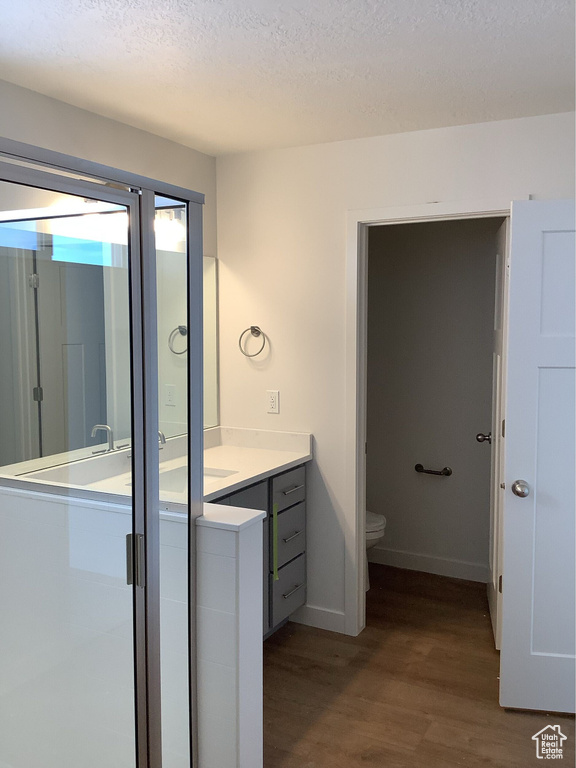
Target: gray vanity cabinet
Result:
[253, 497]
[291, 529]
[283, 498]
[287, 579]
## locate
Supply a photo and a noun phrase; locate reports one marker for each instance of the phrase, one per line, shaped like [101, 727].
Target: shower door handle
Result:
[135, 560]
[129, 560]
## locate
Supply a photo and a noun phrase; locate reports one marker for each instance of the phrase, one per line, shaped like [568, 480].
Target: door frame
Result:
[358, 223]
[72, 175]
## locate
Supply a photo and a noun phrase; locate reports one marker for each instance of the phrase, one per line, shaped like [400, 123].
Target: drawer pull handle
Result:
[289, 594]
[291, 490]
[292, 537]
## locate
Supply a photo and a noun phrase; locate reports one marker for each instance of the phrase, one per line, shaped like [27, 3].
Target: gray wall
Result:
[430, 319]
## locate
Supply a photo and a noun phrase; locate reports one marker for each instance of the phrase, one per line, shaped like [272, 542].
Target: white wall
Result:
[35, 119]
[282, 249]
[429, 389]
[44, 122]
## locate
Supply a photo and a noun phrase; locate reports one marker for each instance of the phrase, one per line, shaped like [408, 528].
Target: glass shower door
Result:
[69, 510]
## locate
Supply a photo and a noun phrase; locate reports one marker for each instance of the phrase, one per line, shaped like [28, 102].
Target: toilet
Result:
[375, 527]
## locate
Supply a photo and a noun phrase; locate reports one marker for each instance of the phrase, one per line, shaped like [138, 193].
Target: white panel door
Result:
[538, 637]
[71, 332]
[497, 457]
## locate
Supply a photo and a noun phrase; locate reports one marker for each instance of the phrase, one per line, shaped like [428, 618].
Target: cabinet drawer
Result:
[291, 534]
[255, 497]
[290, 488]
[289, 592]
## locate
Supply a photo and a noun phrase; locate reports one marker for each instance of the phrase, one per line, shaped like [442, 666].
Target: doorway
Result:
[359, 224]
[536, 271]
[430, 360]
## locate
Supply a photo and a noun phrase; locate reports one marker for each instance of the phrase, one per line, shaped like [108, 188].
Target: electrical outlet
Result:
[273, 401]
[170, 395]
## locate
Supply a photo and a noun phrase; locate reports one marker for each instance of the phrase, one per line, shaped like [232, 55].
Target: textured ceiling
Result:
[235, 75]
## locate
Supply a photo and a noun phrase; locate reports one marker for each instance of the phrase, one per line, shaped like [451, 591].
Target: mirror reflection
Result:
[65, 323]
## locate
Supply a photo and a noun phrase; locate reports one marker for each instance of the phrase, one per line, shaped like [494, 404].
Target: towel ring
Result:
[255, 331]
[183, 331]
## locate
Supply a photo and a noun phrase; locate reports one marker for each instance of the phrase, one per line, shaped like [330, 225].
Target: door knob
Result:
[484, 438]
[520, 488]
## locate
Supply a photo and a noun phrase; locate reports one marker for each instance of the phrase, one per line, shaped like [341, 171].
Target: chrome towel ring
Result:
[182, 331]
[255, 331]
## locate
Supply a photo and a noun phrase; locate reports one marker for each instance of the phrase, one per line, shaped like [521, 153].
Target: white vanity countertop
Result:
[249, 456]
[233, 459]
[228, 518]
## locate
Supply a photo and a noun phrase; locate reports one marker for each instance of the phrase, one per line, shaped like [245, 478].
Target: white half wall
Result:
[282, 248]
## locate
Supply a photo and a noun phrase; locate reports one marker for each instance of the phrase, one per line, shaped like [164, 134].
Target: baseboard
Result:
[441, 566]
[322, 618]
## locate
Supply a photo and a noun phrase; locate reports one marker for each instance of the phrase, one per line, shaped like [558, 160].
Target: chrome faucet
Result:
[108, 430]
[161, 441]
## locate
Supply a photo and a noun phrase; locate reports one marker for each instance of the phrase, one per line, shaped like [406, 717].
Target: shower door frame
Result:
[137, 193]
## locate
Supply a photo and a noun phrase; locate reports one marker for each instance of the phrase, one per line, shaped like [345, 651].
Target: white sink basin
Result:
[175, 479]
[210, 472]
[104, 473]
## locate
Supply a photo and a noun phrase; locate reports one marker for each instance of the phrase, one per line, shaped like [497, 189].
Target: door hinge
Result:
[38, 394]
[365, 447]
[500, 583]
[503, 427]
[135, 560]
[34, 280]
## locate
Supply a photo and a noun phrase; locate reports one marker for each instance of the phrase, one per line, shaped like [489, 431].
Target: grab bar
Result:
[446, 471]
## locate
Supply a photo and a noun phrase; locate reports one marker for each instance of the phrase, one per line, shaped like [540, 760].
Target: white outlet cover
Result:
[273, 401]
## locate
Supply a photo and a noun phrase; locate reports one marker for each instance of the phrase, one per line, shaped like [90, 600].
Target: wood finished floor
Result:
[417, 689]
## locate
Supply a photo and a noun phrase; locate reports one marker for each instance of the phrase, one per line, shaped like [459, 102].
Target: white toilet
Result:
[375, 528]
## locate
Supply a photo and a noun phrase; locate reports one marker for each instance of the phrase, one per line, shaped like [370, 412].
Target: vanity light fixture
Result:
[169, 230]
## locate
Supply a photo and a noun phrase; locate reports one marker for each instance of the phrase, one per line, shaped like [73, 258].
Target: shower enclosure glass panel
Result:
[67, 660]
[171, 240]
[171, 276]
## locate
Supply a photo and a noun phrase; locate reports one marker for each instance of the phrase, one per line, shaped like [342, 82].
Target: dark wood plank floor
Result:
[417, 689]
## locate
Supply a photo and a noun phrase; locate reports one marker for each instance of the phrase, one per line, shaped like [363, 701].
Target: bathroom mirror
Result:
[77, 250]
[172, 330]
[211, 410]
